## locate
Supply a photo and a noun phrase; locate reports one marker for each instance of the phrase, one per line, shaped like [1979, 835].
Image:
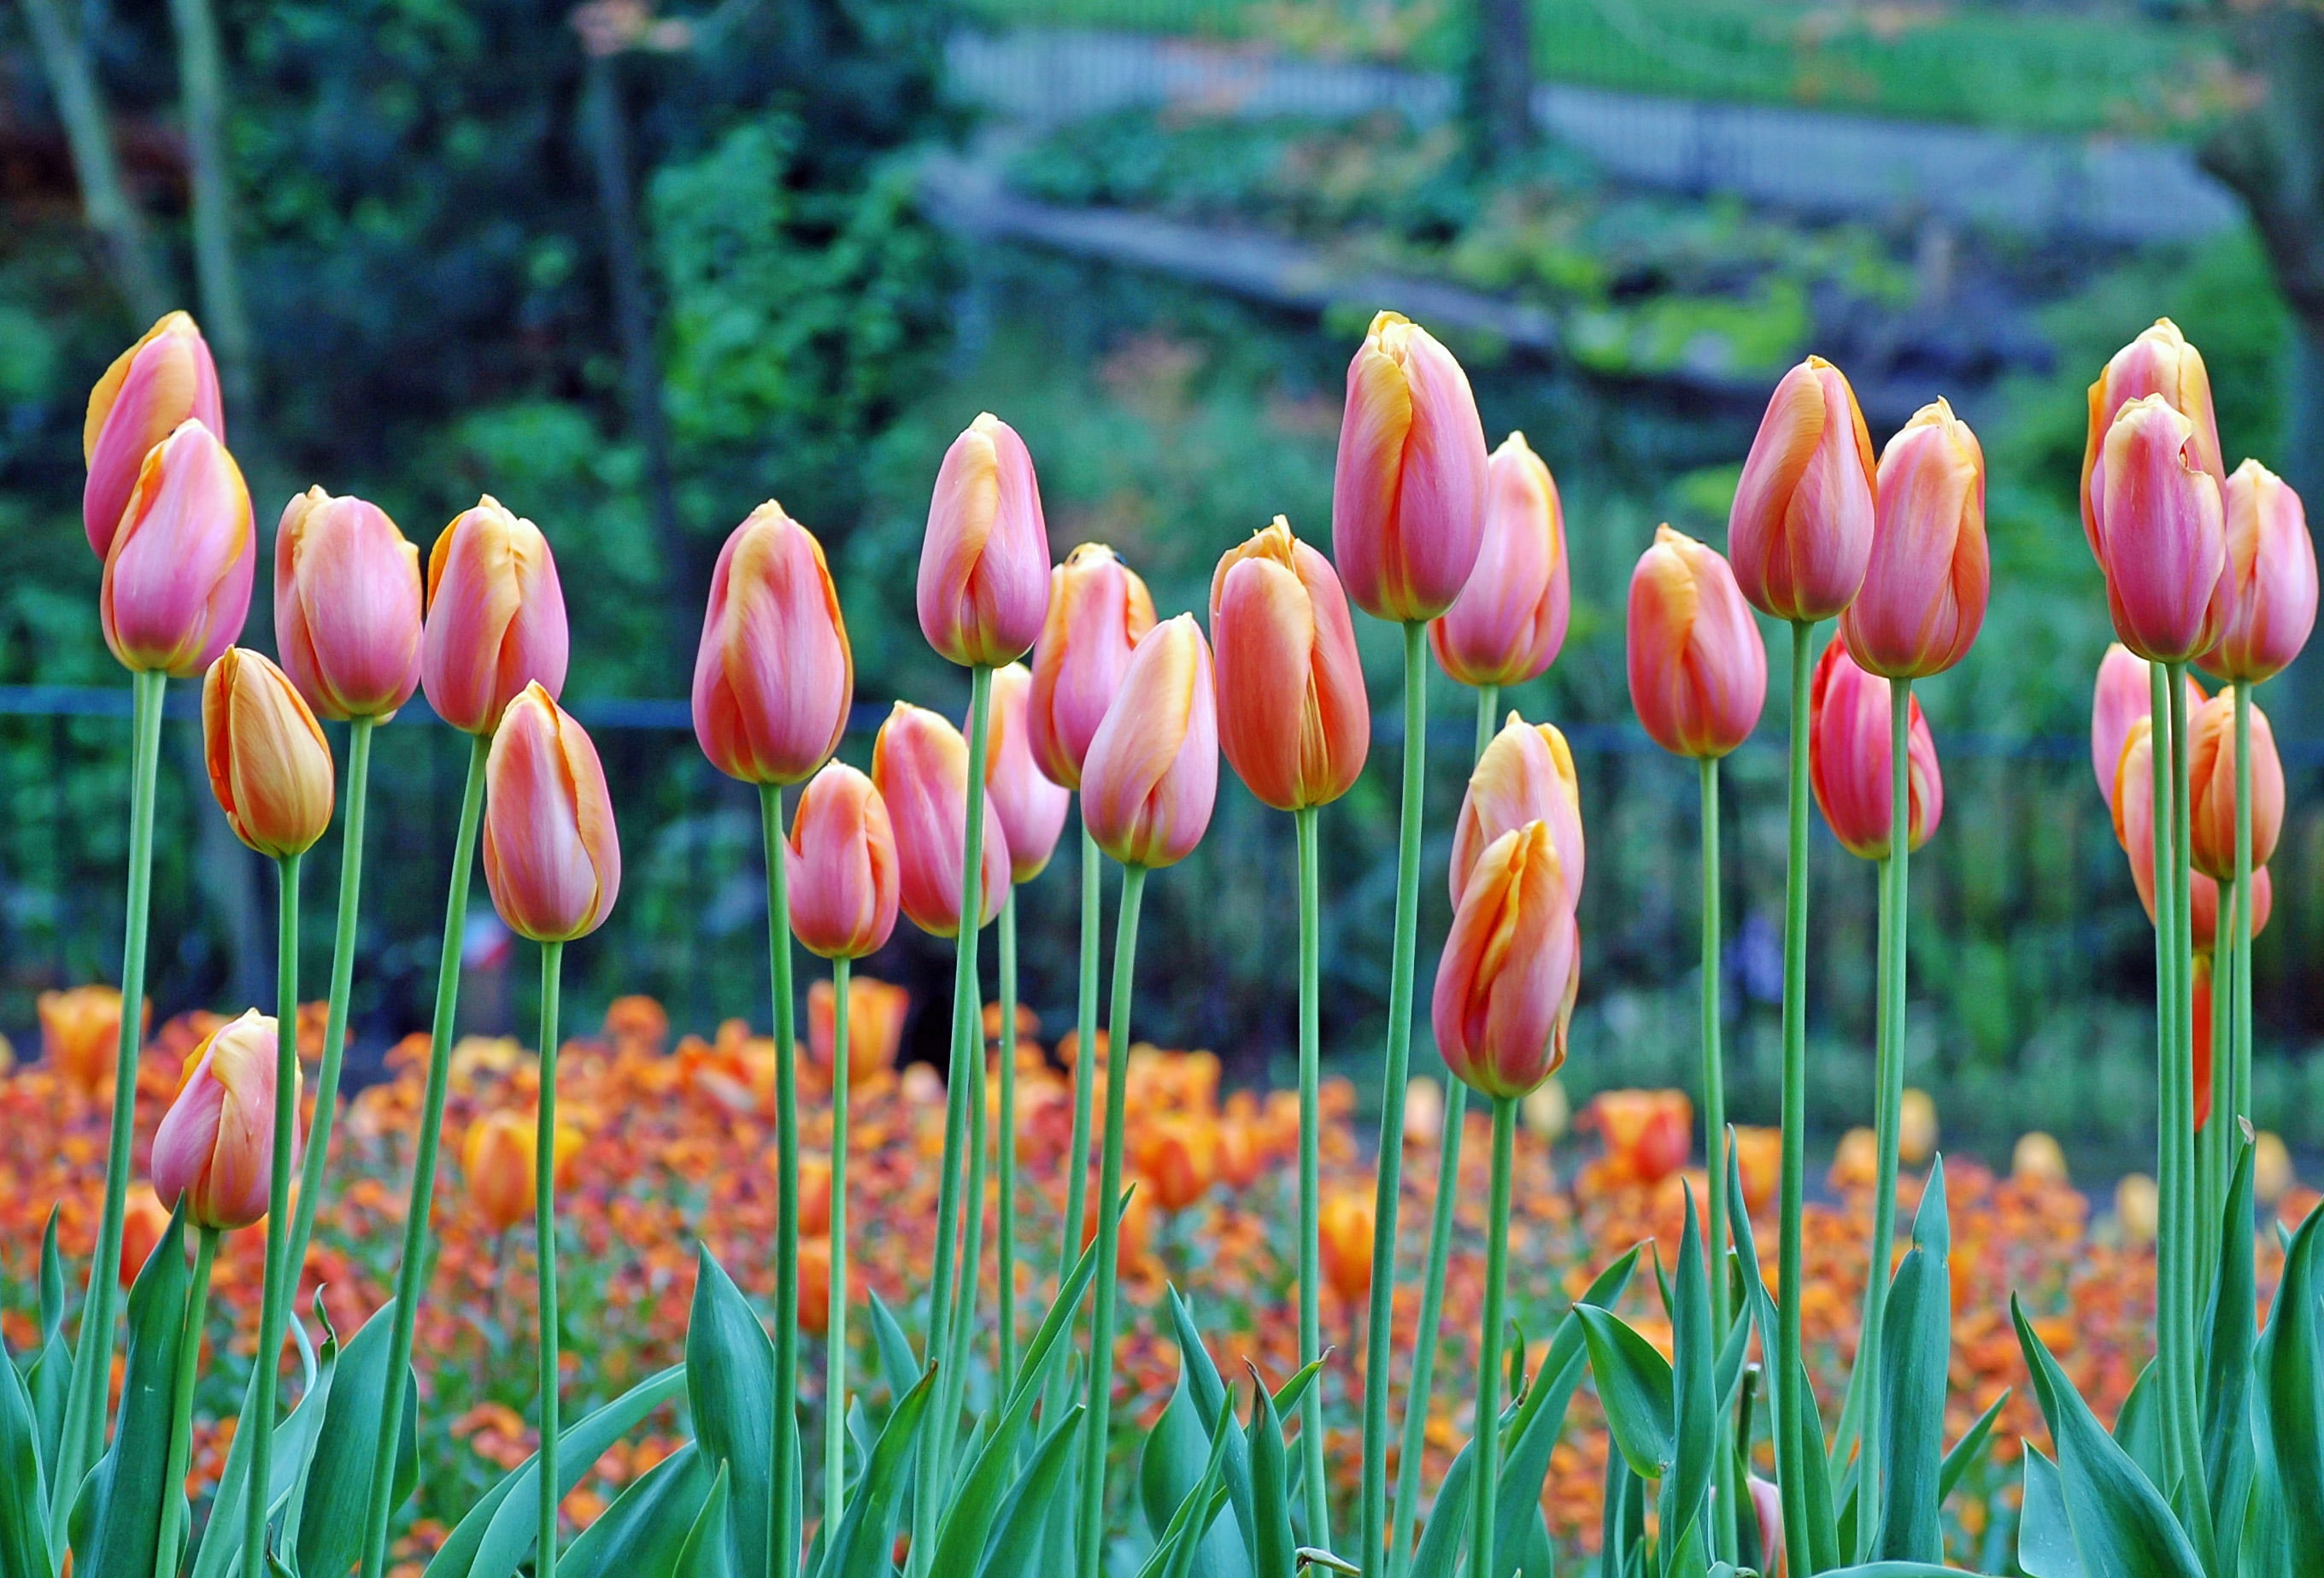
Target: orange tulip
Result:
[814, 1196]
[80, 1033]
[921, 764]
[2162, 534]
[495, 618]
[1849, 730]
[773, 677]
[1293, 718]
[2200, 1007]
[637, 1023]
[346, 606]
[2132, 804]
[144, 1220]
[178, 570]
[842, 865]
[1799, 533]
[984, 565]
[163, 380]
[1759, 1157]
[214, 1148]
[875, 1024]
[1098, 610]
[1924, 588]
[1647, 1133]
[2159, 361]
[1031, 807]
[2270, 577]
[552, 856]
[2211, 781]
[1512, 966]
[1178, 1157]
[1510, 621]
[1698, 669]
[1343, 1231]
[497, 1158]
[815, 1285]
[1153, 770]
[269, 764]
[1525, 775]
[1135, 1234]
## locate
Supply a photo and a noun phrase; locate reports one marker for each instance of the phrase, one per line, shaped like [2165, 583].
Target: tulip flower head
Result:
[1800, 533]
[1031, 806]
[2162, 534]
[495, 618]
[2133, 806]
[2159, 363]
[1849, 725]
[177, 569]
[1409, 488]
[80, 1033]
[875, 1024]
[346, 606]
[919, 763]
[1292, 717]
[498, 1158]
[1343, 1229]
[2121, 697]
[1922, 600]
[842, 863]
[2270, 577]
[552, 856]
[984, 565]
[1512, 966]
[773, 677]
[2211, 781]
[1098, 610]
[1698, 669]
[1153, 770]
[269, 764]
[1510, 621]
[215, 1148]
[1525, 775]
[149, 392]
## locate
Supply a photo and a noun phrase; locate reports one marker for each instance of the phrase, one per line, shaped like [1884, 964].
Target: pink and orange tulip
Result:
[875, 1024]
[215, 1148]
[2270, 577]
[149, 392]
[1848, 728]
[1799, 533]
[1152, 775]
[1509, 621]
[1098, 611]
[2160, 362]
[773, 677]
[984, 565]
[2121, 697]
[2211, 784]
[1698, 669]
[80, 1033]
[1512, 966]
[1293, 718]
[177, 569]
[2162, 534]
[552, 856]
[269, 764]
[495, 618]
[1032, 805]
[346, 606]
[1922, 600]
[2133, 806]
[842, 863]
[1408, 491]
[920, 764]
[1525, 775]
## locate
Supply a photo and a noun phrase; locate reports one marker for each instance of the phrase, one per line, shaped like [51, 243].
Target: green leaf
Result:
[338, 1476]
[1181, 1539]
[707, 1543]
[1893, 1569]
[2045, 1536]
[2138, 1427]
[2230, 1321]
[1823, 1528]
[2291, 1369]
[24, 1486]
[1633, 1385]
[643, 1534]
[1696, 1418]
[898, 1362]
[1206, 1393]
[49, 1381]
[1269, 1484]
[1916, 1350]
[1031, 1501]
[1970, 1446]
[730, 1390]
[294, 1441]
[1171, 1465]
[116, 1522]
[867, 1528]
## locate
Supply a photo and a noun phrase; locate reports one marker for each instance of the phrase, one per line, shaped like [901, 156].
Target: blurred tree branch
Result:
[201, 85]
[1496, 88]
[105, 201]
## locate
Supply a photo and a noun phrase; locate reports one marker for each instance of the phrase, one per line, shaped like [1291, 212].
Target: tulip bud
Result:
[1408, 489]
[2270, 580]
[1801, 529]
[1510, 621]
[773, 677]
[1848, 726]
[1512, 966]
[2122, 698]
[1343, 1231]
[1525, 775]
[80, 1033]
[178, 570]
[552, 857]
[1153, 770]
[498, 1160]
[2212, 783]
[2133, 804]
[1098, 610]
[1768, 1508]
[921, 764]
[495, 617]
[841, 860]
[346, 606]
[1292, 717]
[269, 764]
[2162, 534]
[875, 1024]
[153, 387]
[2159, 361]
[1698, 668]
[984, 564]
[215, 1148]
[1031, 806]
[1924, 588]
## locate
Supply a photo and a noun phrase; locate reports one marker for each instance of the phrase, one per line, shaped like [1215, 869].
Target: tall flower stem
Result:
[181, 1406]
[1790, 1450]
[85, 1401]
[1487, 1468]
[410, 1271]
[834, 1357]
[965, 1325]
[1714, 1127]
[1091, 1527]
[1310, 1258]
[1005, 1151]
[2241, 1060]
[2185, 1394]
[1069, 1249]
[782, 1541]
[544, 1249]
[2171, 1110]
[2217, 1138]
[343, 971]
[274, 1299]
[1379, 1326]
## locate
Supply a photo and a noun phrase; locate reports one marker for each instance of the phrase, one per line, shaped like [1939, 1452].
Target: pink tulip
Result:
[1509, 620]
[2211, 782]
[269, 764]
[1525, 775]
[495, 617]
[984, 565]
[1292, 713]
[1849, 725]
[1098, 610]
[2161, 535]
[1408, 492]
[161, 382]
[1799, 533]
[1698, 669]
[2270, 577]
[1032, 808]
[773, 677]
[1153, 770]
[1512, 967]
[2159, 361]
[841, 860]
[921, 764]
[1924, 586]
[552, 857]
[2132, 804]
[215, 1148]
[2121, 699]
[178, 572]
[346, 606]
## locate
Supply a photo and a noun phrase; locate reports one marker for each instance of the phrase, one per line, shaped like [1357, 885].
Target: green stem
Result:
[1054, 1400]
[1090, 1528]
[2189, 1396]
[2241, 1106]
[274, 1299]
[1714, 1125]
[2170, 1113]
[1790, 1450]
[1311, 1259]
[1889, 1107]
[1488, 1466]
[410, 1270]
[168, 1549]
[1005, 1149]
[84, 1433]
[2217, 1136]
[544, 1251]
[343, 970]
[965, 1322]
[783, 1536]
[835, 1361]
[1379, 1331]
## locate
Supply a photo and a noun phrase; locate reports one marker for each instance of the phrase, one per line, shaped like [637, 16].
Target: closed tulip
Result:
[2270, 577]
[1512, 966]
[497, 1161]
[2211, 782]
[81, 1032]
[1849, 725]
[1292, 717]
[1525, 775]
[215, 1148]
[1510, 621]
[921, 765]
[1098, 610]
[2133, 806]
[178, 570]
[1801, 529]
[269, 764]
[1698, 669]
[984, 565]
[773, 677]
[1343, 1231]
[152, 388]
[1031, 806]
[2162, 534]
[2160, 362]
[1153, 770]
[2121, 697]
[840, 860]
[875, 1024]
[1409, 490]
[346, 606]
[1922, 600]
[495, 618]
[552, 857]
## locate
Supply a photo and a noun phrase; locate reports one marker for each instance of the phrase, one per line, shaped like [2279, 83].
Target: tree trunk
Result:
[201, 86]
[1496, 90]
[104, 201]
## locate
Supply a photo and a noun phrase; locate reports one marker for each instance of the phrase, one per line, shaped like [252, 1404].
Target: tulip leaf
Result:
[2138, 1426]
[2230, 1322]
[2045, 1538]
[1916, 1350]
[24, 1486]
[1695, 1418]
[2292, 1400]
[49, 1378]
[1206, 1394]
[867, 1528]
[730, 1390]
[1178, 1542]
[1822, 1535]
[116, 1522]
[1633, 1385]
[1895, 1569]
[220, 1553]
[1030, 1503]
[647, 1528]
[1270, 1488]
[1970, 1446]
[340, 1453]
[704, 1553]
[898, 1362]
[1445, 1538]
